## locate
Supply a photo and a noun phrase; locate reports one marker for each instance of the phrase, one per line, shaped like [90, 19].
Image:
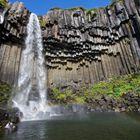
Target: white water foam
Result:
[1, 19]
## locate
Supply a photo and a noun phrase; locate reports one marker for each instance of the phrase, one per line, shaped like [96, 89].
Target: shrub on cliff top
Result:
[56, 8]
[3, 3]
[76, 8]
[42, 23]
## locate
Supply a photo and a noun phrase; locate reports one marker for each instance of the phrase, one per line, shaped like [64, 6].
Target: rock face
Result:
[89, 46]
[12, 33]
[80, 46]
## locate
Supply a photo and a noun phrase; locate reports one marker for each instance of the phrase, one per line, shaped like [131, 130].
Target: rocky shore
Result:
[9, 116]
[128, 103]
[121, 94]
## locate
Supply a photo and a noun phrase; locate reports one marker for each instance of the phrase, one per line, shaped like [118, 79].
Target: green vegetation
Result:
[3, 4]
[76, 8]
[92, 12]
[114, 88]
[71, 9]
[3, 123]
[42, 22]
[56, 8]
[63, 97]
[5, 91]
[115, 1]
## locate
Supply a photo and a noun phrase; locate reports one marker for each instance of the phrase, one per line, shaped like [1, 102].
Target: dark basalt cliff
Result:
[80, 46]
[88, 46]
[12, 35]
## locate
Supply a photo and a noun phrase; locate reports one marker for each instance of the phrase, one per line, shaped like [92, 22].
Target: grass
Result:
[115, 88]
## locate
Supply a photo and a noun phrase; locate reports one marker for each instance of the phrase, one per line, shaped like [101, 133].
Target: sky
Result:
[41, 7]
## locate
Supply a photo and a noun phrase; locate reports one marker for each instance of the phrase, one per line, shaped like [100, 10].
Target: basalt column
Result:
[87, 46]
[12, 33]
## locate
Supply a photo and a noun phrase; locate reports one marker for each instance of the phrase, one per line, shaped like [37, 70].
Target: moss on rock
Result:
[5, 92]
[117, 90]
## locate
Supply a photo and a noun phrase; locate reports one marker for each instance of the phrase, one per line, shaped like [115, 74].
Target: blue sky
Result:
[42, 6]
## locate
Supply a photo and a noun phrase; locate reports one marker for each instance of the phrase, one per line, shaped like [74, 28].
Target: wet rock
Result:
[117, 110]
[11, 116]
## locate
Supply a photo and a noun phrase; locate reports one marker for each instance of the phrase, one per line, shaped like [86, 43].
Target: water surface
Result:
[94, 126]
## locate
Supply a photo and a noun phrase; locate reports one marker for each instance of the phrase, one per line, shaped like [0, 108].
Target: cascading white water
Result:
[1, 19]
[31, 91]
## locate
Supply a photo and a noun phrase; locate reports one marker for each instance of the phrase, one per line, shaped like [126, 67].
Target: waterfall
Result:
[31, 90]
[1, 19]
[2, 15]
